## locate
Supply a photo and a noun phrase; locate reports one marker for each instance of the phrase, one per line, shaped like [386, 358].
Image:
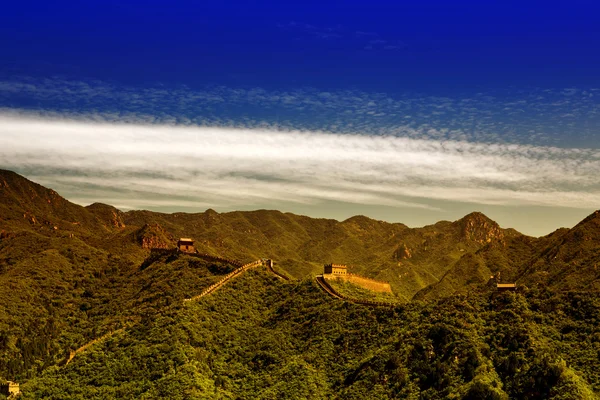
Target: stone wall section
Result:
[73, 353]
[367, 283]
[334, 293]
[226, 279]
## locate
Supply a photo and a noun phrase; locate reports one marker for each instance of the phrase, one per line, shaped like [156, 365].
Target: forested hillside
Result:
[568, 259]
[409, 258]
[263, 338]
[71, 274]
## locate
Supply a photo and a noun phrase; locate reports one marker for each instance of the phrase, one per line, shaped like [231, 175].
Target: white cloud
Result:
[227, 167]
[534, 116]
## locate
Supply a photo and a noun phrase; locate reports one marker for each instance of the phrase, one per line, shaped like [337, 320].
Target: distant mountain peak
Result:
[9, 178]
[477, 227]
[33, 197]
[359, 220]
[210, 216]
[587, 230]
[6, 172]
[476, 216]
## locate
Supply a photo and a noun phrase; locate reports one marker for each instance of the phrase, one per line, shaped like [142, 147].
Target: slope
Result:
[568, 259]
[261, 338]
[27, 205]
[410, 259]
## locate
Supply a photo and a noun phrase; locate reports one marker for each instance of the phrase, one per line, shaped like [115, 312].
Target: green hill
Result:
[72, 274]
[410, 259]
[568, 259]
[262, 338]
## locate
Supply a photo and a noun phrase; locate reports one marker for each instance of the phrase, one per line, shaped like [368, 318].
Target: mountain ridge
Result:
[368, 245]
[413, 260]
[71, 274]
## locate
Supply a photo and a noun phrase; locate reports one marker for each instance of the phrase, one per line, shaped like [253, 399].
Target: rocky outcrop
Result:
[116, 220]
[30, 218]
[154, 237]
[403, 252]
[478, 228]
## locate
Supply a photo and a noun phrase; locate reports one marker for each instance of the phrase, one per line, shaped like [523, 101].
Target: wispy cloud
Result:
[534, 116]
[148, 165]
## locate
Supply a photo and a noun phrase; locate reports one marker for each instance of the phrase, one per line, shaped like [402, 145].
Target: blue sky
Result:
[507, 89]
[433, 47]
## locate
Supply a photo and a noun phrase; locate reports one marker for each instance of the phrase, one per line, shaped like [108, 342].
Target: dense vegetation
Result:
[261, 338]
[71, 274]
[53, 313]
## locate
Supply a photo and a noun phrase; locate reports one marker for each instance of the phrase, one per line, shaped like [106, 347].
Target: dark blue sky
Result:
[404, 111]
[431, 47]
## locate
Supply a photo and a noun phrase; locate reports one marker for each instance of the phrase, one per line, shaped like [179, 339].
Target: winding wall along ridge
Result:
[226, 278]
[325, 286]
[209, 257]
[334, 293]
[73, 353]
[267, 263]
[241, 268]
[279, 275]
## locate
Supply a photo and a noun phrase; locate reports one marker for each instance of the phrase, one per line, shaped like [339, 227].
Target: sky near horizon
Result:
[408, 112]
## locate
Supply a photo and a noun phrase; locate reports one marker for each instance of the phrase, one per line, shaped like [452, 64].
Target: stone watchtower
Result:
[10, 389]
[335, 269]
[186, 245]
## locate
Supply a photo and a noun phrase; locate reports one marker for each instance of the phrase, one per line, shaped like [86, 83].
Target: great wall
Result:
[334, 293]
[268, 263]
[367, 283]
[377, 285]
[73, 353]
[226, 278]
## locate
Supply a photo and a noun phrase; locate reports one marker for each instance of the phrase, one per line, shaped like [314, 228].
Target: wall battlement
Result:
[367, 283]
[341, 271]
[331, 291]
[228, 277]
[10, 389]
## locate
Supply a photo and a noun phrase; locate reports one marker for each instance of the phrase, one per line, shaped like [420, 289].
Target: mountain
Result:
[567, 259]
[260, 337]
[73, 275]
[572, 260]
[26, 204]
[410, 259]
[434, 260]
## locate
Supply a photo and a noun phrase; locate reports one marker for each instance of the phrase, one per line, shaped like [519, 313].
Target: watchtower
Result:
[186, 245]
[10, 389]
[335, 269]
